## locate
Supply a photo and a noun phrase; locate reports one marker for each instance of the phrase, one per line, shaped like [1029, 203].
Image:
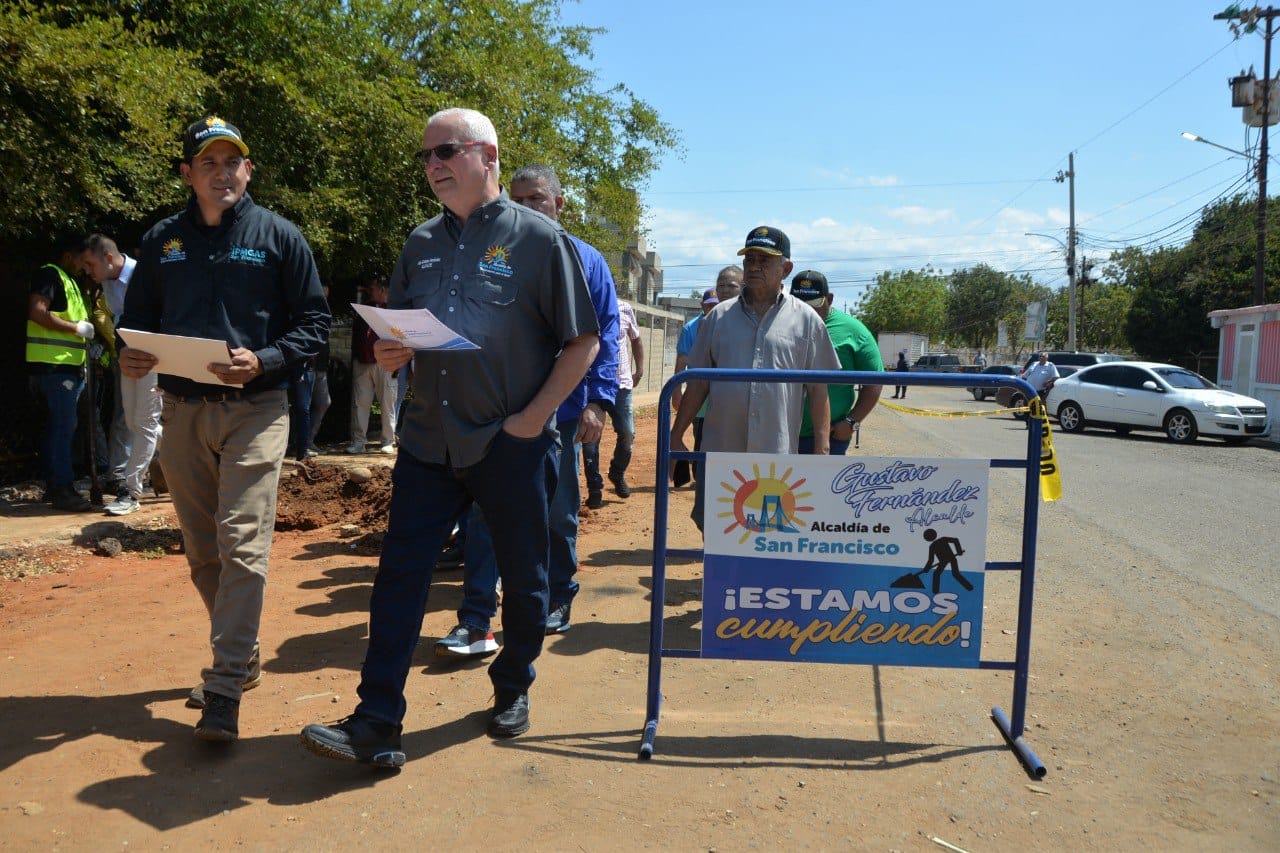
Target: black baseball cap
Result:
[767, 239]
[810, 286]
[709, 297]
[208, 130]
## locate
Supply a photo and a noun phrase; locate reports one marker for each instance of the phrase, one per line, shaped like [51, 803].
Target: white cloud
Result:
[848, 178]
[694, 245]
[916, 215]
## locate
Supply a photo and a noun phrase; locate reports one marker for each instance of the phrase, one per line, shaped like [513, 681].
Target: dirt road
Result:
[1150, 743]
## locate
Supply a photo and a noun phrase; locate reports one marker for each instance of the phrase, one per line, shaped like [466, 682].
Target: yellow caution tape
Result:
[931, 413]
[1050, 477]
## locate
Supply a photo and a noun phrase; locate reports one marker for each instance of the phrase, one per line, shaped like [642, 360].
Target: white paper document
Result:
[181, 356]
[417, 328]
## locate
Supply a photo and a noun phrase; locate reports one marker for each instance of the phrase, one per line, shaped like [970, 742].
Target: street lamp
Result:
[1192, 137]
[1259, 267]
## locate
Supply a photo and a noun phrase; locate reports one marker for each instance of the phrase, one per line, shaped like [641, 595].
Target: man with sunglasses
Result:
[226, 269]
[579, 421]
[479, 427]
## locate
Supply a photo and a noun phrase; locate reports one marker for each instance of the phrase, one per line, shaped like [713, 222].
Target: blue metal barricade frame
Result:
[1011, 726]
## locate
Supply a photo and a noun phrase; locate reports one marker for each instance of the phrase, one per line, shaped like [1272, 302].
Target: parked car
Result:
[937, 363]
[1067, 363]
[981, 394]
[1147, 395]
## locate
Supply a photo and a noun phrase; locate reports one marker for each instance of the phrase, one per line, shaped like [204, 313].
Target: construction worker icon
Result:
[942, 553]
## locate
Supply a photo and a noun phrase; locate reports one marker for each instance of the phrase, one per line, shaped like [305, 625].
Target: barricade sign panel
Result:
[850, 559]
[845, 560]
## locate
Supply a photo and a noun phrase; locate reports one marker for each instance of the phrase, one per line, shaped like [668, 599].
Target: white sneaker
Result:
[355, 448]
[388, 448]
[123, 505]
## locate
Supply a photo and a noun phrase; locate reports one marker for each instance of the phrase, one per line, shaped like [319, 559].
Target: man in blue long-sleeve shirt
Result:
[580, 418]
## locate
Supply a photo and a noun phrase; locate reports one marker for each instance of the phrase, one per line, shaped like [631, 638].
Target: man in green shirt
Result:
[856, 349]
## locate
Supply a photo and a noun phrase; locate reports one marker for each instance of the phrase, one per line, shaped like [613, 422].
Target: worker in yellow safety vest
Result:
[58, 335]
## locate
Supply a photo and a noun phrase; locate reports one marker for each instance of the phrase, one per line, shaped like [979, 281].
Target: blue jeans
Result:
[510, 484]
[838, 448]
[61, 390]
[300, 387]
[624, 424]
[480, 573]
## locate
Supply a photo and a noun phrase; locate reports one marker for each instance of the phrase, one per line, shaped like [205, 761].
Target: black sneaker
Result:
[595, 500]
[68, 499]
[356, 739]
[219, 722]
[464, 642]
[620, 485]
[195, 699]
[510, 713]
[558, 619]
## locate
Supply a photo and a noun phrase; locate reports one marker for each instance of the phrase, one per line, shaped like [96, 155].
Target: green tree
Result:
[332, 97]
[87, 126]
[910, 301]
[977, 299]
[1174, 289]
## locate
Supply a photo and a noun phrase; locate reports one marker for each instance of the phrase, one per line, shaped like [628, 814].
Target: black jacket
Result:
[251, 281]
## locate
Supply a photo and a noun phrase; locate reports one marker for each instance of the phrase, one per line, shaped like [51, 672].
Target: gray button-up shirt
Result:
[759, 417]
[509, 280]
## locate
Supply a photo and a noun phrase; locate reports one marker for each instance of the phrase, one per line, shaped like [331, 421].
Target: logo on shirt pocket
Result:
[172, 250]
[495, 262]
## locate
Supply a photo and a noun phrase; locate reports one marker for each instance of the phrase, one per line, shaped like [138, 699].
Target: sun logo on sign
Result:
[398, 332]
[763, 504]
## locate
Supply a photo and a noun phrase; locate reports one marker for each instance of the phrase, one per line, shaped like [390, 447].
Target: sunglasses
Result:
[444, 151]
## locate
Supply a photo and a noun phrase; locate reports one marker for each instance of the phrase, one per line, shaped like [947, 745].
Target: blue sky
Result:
[889, 136]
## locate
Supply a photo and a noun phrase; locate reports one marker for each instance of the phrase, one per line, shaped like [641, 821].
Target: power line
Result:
[1148, 101]
[836, 189]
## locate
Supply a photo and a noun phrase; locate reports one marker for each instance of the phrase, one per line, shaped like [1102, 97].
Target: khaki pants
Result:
[222, 463]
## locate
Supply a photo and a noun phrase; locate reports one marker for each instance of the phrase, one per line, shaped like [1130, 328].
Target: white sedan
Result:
[1129, 395]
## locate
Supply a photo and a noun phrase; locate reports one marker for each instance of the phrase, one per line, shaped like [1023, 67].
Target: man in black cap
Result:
[857, 350]
[764, 329]
[226, 269]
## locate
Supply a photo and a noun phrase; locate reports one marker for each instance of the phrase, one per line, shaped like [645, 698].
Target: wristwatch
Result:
[851, 422]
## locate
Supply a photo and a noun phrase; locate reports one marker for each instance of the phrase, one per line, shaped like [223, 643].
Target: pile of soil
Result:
[317, 494]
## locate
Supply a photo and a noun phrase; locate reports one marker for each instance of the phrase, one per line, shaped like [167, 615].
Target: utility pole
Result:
[1250, 18]
[1259, 269]
[1070, 177]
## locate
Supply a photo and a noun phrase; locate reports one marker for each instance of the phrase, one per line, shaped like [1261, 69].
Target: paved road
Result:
[1203, 513]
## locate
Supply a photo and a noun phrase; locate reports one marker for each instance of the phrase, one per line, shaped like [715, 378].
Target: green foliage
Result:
[1174, 289]
[87, 124]
[977, 299]
[964, 307]
[911, 301]
[332, 98]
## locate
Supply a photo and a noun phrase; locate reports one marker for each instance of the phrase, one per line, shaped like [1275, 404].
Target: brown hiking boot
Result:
[156, 473]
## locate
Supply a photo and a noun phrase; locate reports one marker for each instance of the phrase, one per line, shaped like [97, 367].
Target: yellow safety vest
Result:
[50, 347]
